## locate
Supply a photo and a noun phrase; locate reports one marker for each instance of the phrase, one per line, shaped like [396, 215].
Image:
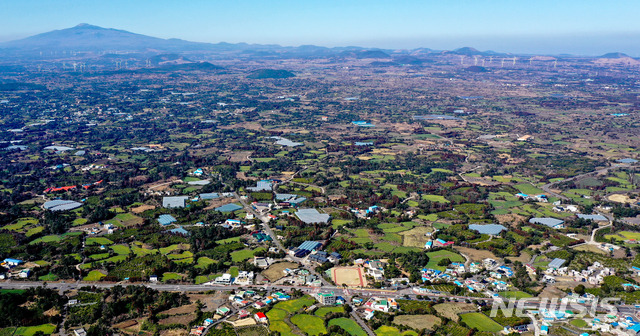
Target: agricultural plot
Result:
[435, 257]
[451, 310]
[418, 322]
[275, 271]
[309, 324]
[293, 306]
[516, 295]
[349, 325]
[47, 329]
[415, 237]
[323, 311]
[481, 322]
[393, 331]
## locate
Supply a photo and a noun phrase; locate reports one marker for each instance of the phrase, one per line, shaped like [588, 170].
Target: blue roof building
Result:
[165, 220]
[490, 229]
[228, 208]
[548, 221]
[181, 231]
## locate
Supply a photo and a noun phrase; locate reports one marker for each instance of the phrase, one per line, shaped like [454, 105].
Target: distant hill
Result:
[361, 54]
[614, 55]
[270, 73]
[86, 37]
[468, 51]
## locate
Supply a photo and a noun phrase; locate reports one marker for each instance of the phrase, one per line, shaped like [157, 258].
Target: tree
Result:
[579, 289]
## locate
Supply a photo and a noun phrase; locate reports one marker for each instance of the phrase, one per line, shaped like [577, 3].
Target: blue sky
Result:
[560, 26]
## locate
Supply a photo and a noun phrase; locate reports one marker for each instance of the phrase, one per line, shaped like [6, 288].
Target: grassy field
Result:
[47, 329]
[94, 276]
[435, 198]
[281, 327]
[579, 323]
[121, 249]
[311, 325]
[293, 306]
[171, 276]
[517, 295]
[238, 256]
[624, 235]
[481, 322]
[529, 189]
[435, 257]
[98, 241]
[349, 325]
[276, 314]
[323, 311]
[393, 331]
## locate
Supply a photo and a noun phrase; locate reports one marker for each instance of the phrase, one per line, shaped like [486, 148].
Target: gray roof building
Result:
[311, 216]
[490, 229]
[209, 196]
[593, 217]
[556, 263]
[228, 208]
[61, 205]
[174, 201]
[264, 185]
[547, 221]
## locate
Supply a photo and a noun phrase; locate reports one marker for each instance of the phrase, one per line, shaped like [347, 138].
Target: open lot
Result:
[417, 322]
[275, 271]
[351, 276]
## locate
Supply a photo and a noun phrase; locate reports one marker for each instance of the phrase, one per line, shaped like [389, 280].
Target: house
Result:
[334, 257]
[244, 278]
[25, 273]
[261, 262]
[260, 317]
[225, 279]
[326, 298]
[243, 313]
[259, 305]
[428, 245]
[12, 262]
[368, 314]
[207, 322]
[223, 311]
[153, 278]
[442, 243]
[80, 332]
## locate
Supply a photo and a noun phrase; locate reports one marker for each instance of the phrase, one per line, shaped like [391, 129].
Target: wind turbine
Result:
[514, 60]
[483, 62]
[555, 63]
[490, 59]
[475, 60]
[461, 59]
[502, 63]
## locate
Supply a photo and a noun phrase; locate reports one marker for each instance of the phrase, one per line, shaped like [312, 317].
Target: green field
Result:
[238, 256]
[276, 315]
[481, 322]
[98, 241]
[47, 329]
[579, 323]
[293, 306]
[393, 331]
[121, 249]
[94, 276]
[349, 325]
[311, 325]
[515, 295]
[435, 198]
[171, 276]
[435, 257]
[281, 327]
[528, 189]
[624, 235]
[322, 312]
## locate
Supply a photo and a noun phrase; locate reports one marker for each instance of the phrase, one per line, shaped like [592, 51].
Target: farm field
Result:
[349, 325]
[481, 322]
[418, 322]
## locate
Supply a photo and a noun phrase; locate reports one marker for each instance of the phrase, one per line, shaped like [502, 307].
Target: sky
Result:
[587, 27]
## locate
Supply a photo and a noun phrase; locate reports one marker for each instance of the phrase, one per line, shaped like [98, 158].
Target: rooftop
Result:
[174, 201]
[61, 205]
[593, 217]
[490, 229]
[548, 221]
[556, 263]
[311, 216]
[228, 208]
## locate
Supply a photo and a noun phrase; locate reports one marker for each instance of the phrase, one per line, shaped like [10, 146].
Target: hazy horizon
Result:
[544, 27]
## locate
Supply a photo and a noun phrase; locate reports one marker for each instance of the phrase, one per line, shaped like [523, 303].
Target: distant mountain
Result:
[89, 38]
[468, 51]
[361, 54]
[614, 55]
[270, 73]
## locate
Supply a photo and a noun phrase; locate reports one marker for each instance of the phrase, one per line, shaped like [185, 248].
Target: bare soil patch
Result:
[451, 310]
[418, 322]
[475, 255]
[275, 271]
[142, 208]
